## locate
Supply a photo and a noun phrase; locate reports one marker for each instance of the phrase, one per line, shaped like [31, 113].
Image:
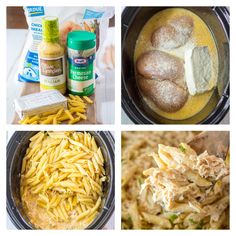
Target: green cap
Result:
[50, 28]
[81, 40]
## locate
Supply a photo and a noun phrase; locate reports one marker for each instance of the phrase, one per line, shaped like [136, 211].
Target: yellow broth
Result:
[201, 36]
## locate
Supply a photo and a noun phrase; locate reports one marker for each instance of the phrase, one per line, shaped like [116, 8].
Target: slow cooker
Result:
[16, 150]
[133, 20]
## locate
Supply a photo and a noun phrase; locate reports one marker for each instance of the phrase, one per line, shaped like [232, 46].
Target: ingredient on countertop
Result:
[66, 28]
[75, 113]
[81, 47]
[93, 19]
[87, 25]
[173, 35]
[37, 103]
[52, 72]
[62, 178]
[162, 80]
[198, 70]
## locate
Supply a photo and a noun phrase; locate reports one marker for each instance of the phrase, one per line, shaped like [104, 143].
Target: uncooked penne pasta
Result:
[88, 99]
[75, 112]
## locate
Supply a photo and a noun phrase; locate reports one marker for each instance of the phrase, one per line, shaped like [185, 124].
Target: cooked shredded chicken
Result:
[211, 167]
[178, 190]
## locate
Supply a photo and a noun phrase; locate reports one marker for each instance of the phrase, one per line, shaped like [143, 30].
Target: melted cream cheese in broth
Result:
[41, 220]
[201, 36]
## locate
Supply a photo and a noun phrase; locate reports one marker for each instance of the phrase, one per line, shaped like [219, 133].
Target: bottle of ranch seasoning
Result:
[51, 57]
[81, 47]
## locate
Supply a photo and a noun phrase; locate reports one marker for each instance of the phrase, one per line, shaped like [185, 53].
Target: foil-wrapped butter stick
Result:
[37, 103]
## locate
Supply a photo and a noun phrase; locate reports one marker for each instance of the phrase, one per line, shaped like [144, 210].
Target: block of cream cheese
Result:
[198, 70]
[37, 103]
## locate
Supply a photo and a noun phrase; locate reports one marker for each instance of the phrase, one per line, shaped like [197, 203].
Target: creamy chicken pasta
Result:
[61, 180]
[171, 187]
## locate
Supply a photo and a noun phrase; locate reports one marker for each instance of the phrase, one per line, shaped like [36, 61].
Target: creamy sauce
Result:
[41, 219]
[201, 36]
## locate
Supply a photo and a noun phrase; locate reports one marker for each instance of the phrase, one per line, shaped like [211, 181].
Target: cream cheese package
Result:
[37, 103]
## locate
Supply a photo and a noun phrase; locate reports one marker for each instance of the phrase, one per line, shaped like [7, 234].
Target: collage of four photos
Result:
[62, 72]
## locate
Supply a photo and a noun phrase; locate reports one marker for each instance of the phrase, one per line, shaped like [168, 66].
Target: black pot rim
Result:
[137, 116]
[109, 143]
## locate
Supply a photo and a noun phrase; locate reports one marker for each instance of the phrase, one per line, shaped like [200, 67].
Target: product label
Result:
[81, 76]
[35, 11]
[90, 14]
[36, 29]
[51, 67]
[52, 73]
[82, 61]
[81, 88]
[30, 71]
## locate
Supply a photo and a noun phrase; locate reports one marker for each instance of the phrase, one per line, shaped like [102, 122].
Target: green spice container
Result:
[81, 47]
[52, 72]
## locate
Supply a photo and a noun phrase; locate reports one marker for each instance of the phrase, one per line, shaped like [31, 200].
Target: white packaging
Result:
[37, 103]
